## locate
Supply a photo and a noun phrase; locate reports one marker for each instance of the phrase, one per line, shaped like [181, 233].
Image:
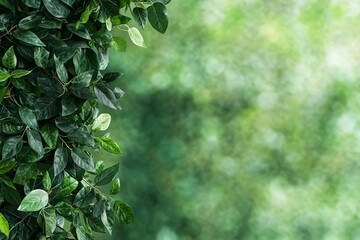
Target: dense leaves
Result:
[52, 56]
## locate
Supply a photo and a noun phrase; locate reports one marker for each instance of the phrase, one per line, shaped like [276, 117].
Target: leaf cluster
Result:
[53, 53]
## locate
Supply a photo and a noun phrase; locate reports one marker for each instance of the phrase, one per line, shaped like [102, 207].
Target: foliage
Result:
[52, 54]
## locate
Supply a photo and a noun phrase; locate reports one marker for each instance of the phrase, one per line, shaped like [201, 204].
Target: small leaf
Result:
[4, 225]
[109, 145]
[112, 76]
[136, 37]
[46, 181]
[32, 3]
[123, 212]
[61, 70]
[20, 73]
[34, 201]
[102, 122]
[157, 15]
[4, 76]
[106, 176]
[41, 57]
[115, 187]
[9, 59]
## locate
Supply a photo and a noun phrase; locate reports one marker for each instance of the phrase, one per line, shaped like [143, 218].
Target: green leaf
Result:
[29, 22]
[112, 76]
[157, 15]
[50, 135]
[70, 104]
[68, 185]
[123, 212]
[8, 4]
[60, 160]
[18, 73]
[41, 56]
[80, 31]
[106, 96]
[84, 197]
[47, 220]
[119, 44]
[34, 201]
[11, 147]
[102, 122]
[57, 8]
[136, 37]
[46, 107]
[81, 62]
[140, 16]
[61, 70]
[4, 225]
[6, 166]
[115, 187]
[25, 172]
[4, 76]
[46, 181]
[106, 176]
[111, 7]
[83, 160]
[35, 142]
[28, 117]
[27, 154]
[109, 145]
[28, 37]
[32, 3]
[9, 59]
[3, 92]
[11, 194]
[81, 136]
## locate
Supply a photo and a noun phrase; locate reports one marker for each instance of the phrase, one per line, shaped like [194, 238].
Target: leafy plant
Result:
[52, 54]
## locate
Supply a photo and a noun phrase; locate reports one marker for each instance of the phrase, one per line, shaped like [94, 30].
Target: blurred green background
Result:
[242, 122]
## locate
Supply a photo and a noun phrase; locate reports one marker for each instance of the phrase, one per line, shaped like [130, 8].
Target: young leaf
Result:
[106, 176]
[157, 15]
[18, 73]
[4, 76]
[136, 37]
[34, 201]
[9, 59]
[109, 145]
[115, 187]
[102, 122]
[4, 225]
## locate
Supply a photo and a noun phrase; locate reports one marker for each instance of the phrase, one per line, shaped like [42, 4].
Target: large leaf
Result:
[9, 59]
[28, 37]
[83, 160]
[4, 225]
[106, 176]
[11, 147]
[157, 15]
[34, 201]
[57, 8]
[111, 7]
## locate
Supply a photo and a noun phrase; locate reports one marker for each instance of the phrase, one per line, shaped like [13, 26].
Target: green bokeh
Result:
[242, 122]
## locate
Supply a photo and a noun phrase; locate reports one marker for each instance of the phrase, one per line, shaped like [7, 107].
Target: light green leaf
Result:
[115, 187]
[4, 76]
[9, 59]
[109, 145]
[4, 225]
[34, 201]
[46, 181]
[18, 73]
[136, 37]
[102, 122]
[119, 44]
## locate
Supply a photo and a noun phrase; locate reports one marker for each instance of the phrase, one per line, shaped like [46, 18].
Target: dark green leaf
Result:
[28, 37]
[84, 197]
[111, 7]
[11, 194]
[106, 176]
[32, 3]
[106, 96]
[3, 92]
[140, 16]
[57, 8]
[83, 160]
[28, 117]
[81, 62]
[9, 59]
[112, 76]
[11, 147]
[81, 31]
[50, 135]
[123, 212]
[81, 136]
[69, 104]
[27, 154]
[34, 140]
[25, 172]
[157, 15]
[47, 220]
[29, 22]
[46, 107]
[34, 201]
[68, 185]
[60, 160]
[61, 70]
